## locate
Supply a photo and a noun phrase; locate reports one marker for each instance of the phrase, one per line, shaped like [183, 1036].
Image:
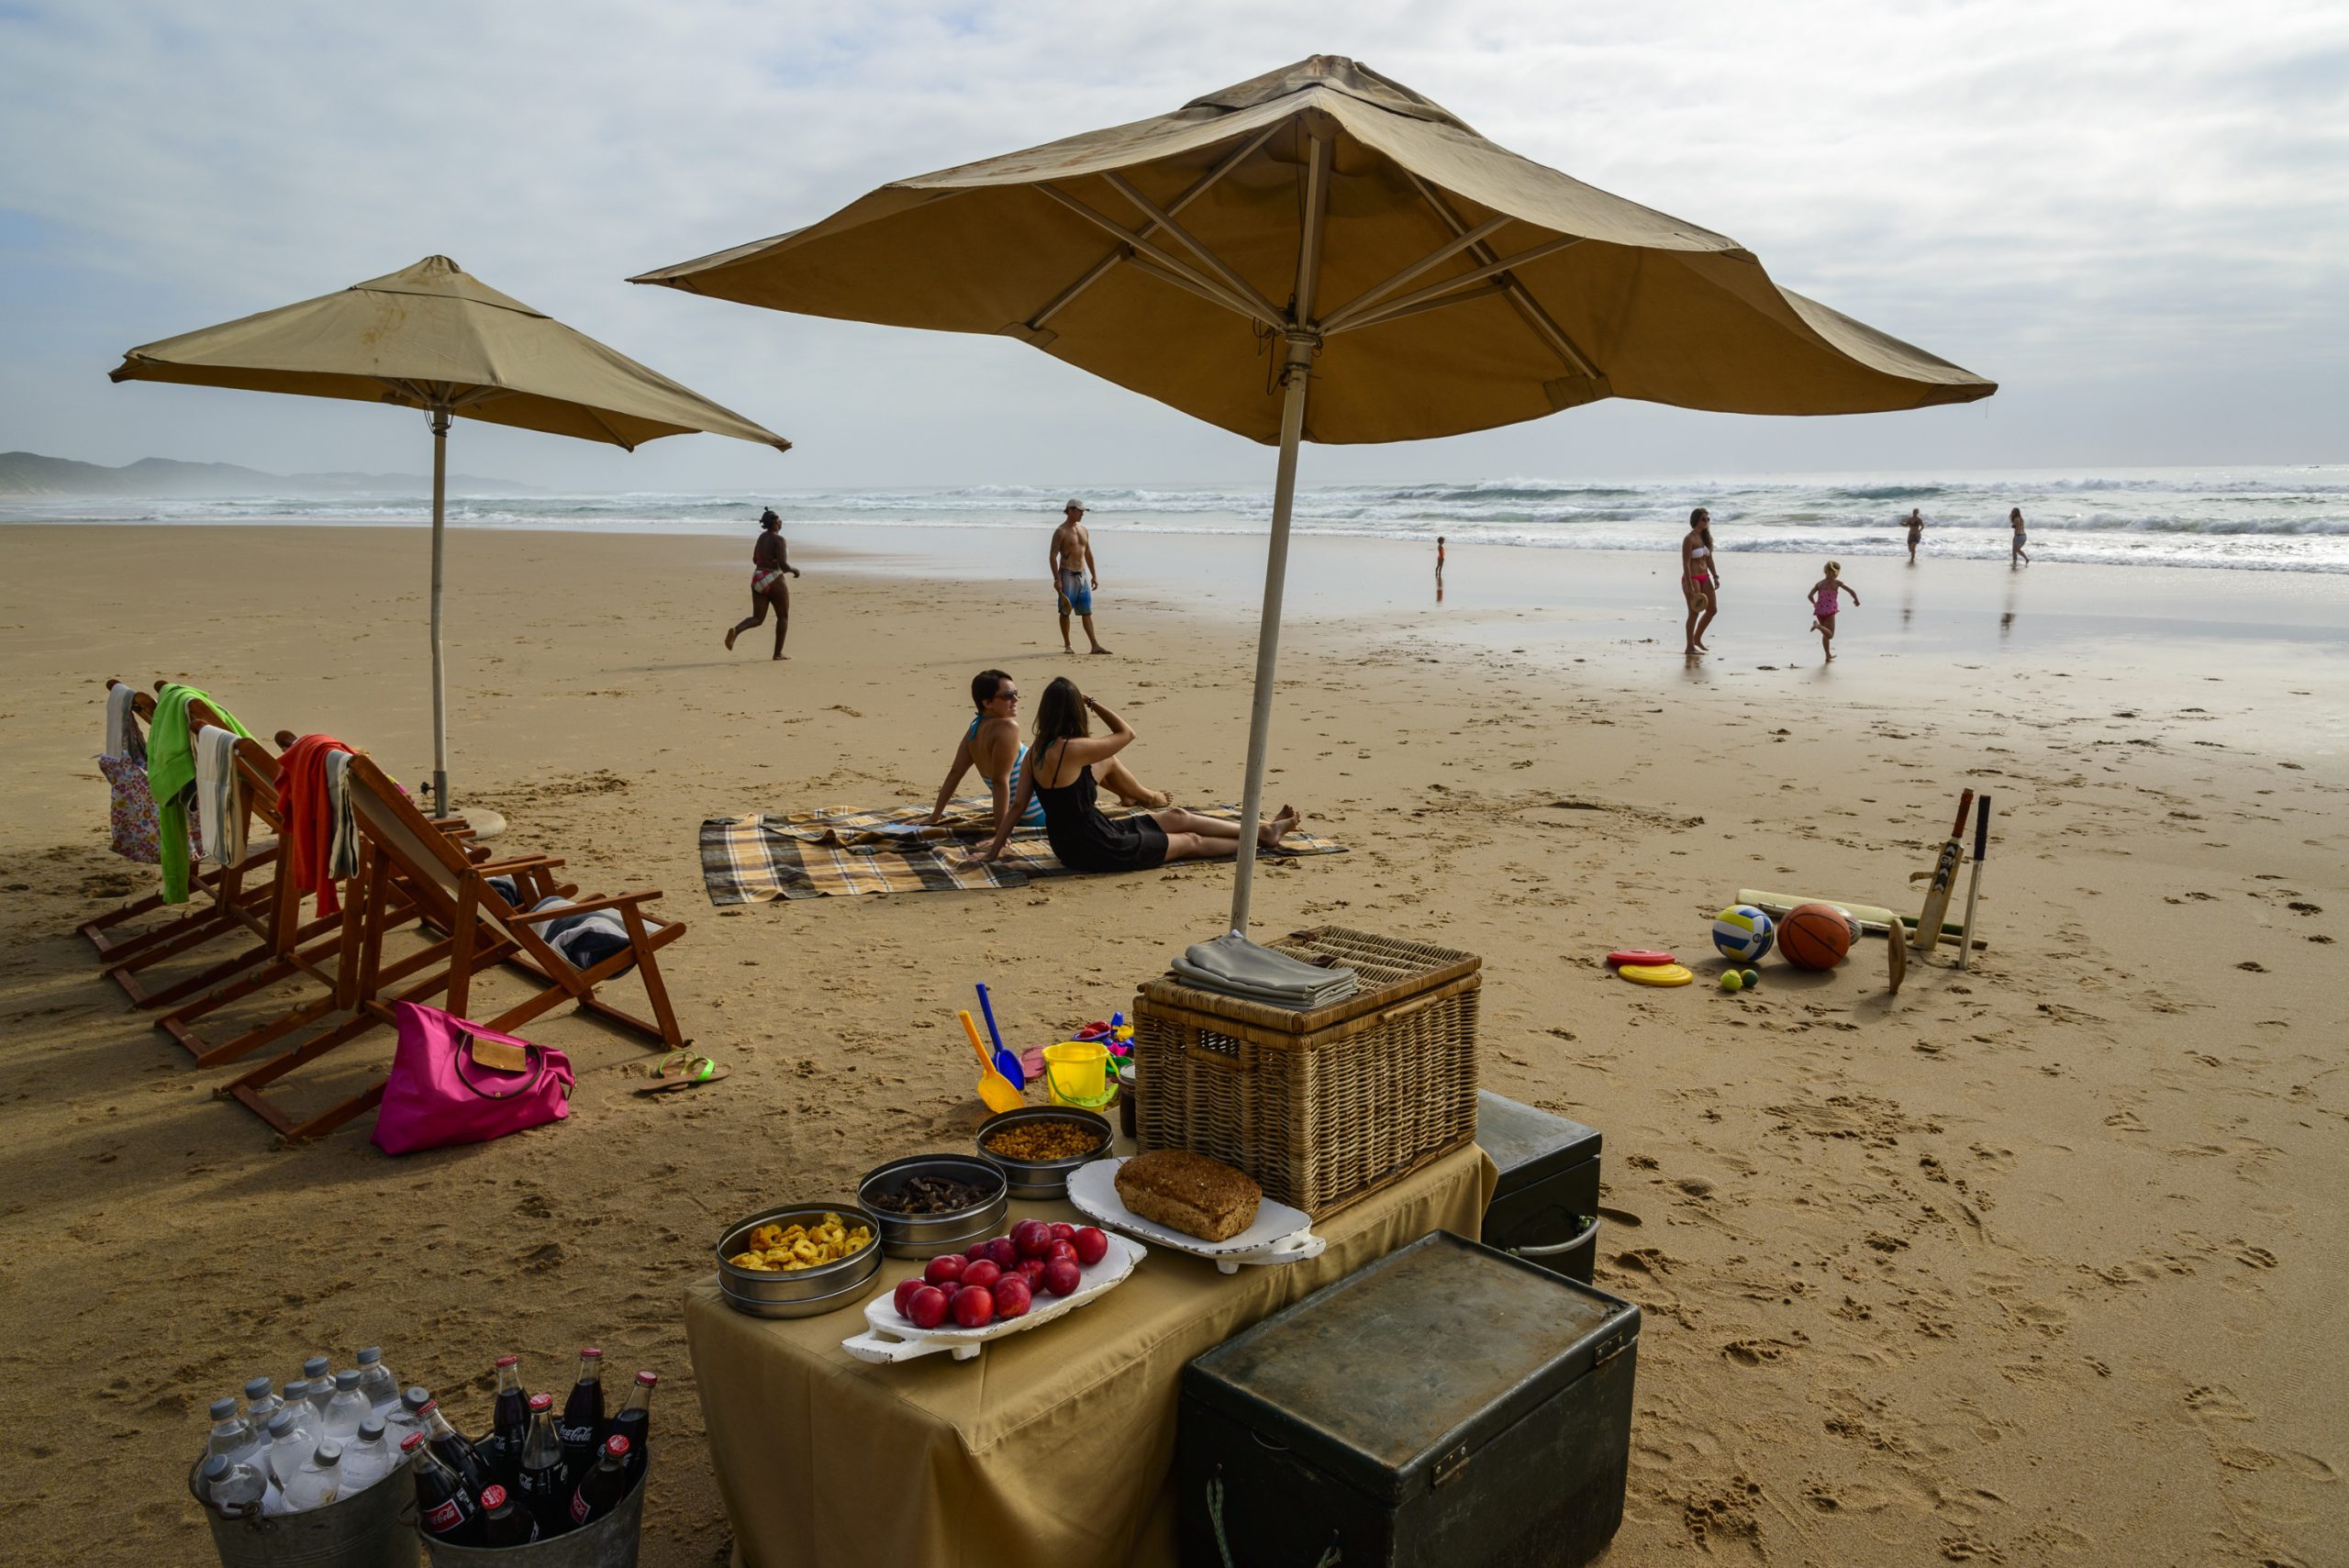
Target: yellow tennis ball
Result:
[1732, 981]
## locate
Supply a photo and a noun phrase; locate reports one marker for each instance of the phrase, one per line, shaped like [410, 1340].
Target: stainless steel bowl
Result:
[1041, 1178]
[803, 1293]
[931, 1235]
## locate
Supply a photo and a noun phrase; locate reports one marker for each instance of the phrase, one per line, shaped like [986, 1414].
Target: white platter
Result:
[1279, 1235]
[891, 1337]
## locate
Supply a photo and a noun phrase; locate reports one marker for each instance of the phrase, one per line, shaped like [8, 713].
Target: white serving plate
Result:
[1279, 1235]
[891, 1337]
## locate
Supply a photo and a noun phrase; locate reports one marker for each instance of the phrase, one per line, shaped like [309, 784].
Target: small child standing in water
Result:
[1823, 606]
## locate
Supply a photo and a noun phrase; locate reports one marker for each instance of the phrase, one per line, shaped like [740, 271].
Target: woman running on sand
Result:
[1700, 577]
[1060, 773]
[2014, 519]
[768, 564]
[992, 745]
[1916, 532]
[1823, 606]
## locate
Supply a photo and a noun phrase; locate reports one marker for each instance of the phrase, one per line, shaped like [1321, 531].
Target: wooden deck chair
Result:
[229, 896]
[290, 947]
[107, 932]
[401, 852]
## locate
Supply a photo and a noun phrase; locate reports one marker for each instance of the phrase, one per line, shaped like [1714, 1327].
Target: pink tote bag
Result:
[438, 1095]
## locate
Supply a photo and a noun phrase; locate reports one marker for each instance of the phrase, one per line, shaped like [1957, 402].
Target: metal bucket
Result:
[609, 1542]
[373, 1529]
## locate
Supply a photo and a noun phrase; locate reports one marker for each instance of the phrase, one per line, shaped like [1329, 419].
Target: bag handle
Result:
[537, 1060]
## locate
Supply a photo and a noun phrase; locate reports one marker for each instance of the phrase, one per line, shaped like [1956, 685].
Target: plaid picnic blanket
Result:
[838, 852]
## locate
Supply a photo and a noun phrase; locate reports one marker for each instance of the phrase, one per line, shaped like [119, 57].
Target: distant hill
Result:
[30, 474]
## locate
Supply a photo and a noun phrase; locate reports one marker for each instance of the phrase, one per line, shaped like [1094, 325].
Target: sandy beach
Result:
[2032, 1263]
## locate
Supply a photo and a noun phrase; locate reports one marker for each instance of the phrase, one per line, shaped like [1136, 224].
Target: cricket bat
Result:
[1937, 891]
[1974, 883]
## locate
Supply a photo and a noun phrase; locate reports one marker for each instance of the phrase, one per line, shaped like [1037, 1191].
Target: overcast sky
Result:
[2133, 213]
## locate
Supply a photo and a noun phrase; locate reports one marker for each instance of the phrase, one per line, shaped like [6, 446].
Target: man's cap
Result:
[1073, 500]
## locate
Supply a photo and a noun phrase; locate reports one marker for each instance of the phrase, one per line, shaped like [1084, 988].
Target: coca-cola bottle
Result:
[453, 1449]
[445, 1509]
[635, 1423]
[543, 1485]
[581, 1426]
[505, 1522]
[509, 1419]
[602, 1486]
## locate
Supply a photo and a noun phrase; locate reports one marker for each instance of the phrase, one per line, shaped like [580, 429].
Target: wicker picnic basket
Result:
[1323, 1108]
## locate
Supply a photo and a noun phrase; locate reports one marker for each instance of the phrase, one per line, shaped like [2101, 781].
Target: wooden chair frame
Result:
[408, 870]
[289, 946]
[191, 928]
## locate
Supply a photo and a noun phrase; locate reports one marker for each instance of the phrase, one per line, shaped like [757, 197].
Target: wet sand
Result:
[2037, 1262]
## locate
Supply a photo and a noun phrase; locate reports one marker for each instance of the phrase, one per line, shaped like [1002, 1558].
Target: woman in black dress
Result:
[1060, 774]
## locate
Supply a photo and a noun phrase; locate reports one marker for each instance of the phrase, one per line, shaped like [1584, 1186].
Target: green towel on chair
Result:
[170, 772]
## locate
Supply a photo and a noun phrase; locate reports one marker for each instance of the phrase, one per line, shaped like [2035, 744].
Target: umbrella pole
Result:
[1268, 630]
[439, 679]
[1296, 376]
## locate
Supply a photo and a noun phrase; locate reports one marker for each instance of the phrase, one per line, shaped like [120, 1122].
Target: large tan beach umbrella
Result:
[435, 338]
[1324, 227]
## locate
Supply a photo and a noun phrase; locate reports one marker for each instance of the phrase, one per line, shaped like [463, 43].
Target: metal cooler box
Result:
[1448, 1405]
[1546, 1208]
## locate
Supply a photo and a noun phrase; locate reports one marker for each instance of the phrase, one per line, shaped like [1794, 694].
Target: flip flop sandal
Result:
[679, 1069]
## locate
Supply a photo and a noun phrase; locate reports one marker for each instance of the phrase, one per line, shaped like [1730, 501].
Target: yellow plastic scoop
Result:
[993, 1087]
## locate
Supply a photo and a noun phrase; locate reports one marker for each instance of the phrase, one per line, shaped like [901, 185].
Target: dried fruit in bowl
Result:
[787, 1249]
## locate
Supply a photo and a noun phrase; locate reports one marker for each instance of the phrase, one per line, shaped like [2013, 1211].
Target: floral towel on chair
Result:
[131, 818]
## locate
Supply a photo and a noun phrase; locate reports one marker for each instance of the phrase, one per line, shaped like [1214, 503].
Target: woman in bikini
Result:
[2015, 552]
[1060, 773]
[992, 745]
[768, 564]
[1700, 577]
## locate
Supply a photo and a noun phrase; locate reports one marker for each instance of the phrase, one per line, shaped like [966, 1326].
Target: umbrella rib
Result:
[1484, 290]
[1200, 281]
[1445, 285]
[1161, 219]
[1378, 292]
[1528, 308]
[1187, 282]
[1100, 269]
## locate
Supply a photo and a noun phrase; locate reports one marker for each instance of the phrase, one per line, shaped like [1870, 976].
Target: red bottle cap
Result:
[541, 1401]
[648, 1378]
[509, 1361]
[407, 1443]
[617, 1446]
[493, 1499]
[591, 1351]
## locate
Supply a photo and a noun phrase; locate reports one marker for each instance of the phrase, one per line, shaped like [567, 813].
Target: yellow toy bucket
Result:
[1076, 1073]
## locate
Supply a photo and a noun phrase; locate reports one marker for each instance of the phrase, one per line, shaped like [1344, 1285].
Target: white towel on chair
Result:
[219, 801]
[118, 711]
[342, 854]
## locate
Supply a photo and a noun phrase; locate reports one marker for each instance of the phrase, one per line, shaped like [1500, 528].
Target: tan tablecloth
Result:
[1054, 1447]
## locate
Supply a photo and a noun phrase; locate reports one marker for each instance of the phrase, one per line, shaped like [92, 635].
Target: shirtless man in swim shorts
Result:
[1075, 576]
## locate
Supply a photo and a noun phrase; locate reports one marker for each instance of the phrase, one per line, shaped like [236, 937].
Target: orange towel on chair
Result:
[308, 818]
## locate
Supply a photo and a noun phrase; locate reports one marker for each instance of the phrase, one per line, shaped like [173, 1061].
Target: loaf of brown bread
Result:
[1189, 1192]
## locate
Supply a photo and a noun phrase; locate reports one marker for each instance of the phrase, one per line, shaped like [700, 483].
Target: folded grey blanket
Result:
[1235, 966]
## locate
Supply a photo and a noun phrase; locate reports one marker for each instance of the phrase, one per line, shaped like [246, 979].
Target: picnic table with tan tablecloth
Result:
[1054, 1446]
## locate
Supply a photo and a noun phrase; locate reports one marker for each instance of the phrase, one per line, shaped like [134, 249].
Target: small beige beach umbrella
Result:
[435, 338]
[1323, 226]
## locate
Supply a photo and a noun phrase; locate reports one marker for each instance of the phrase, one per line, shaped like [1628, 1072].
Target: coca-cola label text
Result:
[580, 1506]
[445, 1517]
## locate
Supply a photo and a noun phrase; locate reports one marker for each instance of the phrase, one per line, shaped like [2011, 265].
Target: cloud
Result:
[2117, 210]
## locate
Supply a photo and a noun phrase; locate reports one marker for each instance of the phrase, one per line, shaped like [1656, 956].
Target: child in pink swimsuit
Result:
[1823, 605]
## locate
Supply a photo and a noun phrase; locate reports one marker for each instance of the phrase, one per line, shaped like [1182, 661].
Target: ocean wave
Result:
[2273, 518]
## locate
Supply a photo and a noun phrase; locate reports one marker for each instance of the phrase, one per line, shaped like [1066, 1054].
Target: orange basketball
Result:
[1817, 935]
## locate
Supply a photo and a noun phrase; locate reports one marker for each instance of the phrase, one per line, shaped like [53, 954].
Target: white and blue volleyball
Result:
[1742, 933]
